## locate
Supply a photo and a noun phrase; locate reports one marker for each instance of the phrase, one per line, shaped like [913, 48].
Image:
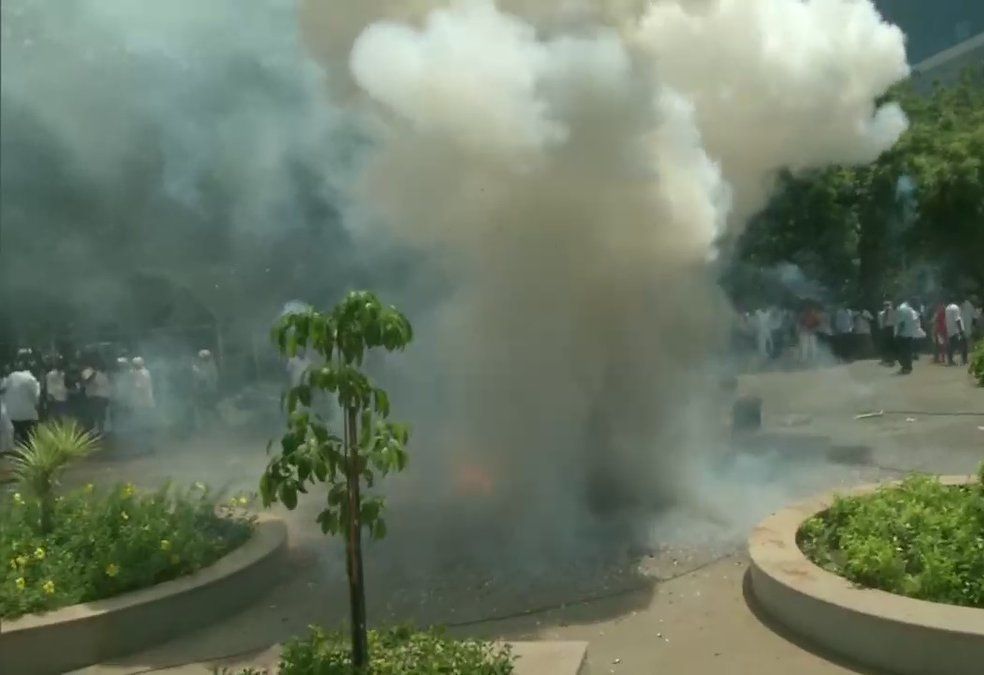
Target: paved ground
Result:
[676, 608]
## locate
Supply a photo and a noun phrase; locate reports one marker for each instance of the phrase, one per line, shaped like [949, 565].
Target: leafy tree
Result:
[864, 231]
[369, 445]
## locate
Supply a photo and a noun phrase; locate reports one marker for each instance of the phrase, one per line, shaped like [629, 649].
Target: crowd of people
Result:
[102, 394]
[897, 333]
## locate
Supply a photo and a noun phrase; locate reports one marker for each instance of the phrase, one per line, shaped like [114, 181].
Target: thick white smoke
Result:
[573, 182]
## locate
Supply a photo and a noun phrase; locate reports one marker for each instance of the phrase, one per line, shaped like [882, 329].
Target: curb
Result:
[80, 635]
[872, 627]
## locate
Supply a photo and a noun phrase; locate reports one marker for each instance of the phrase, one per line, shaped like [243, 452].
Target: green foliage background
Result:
[854, 231]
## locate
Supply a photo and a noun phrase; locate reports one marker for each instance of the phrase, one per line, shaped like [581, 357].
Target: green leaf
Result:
[288, 495]
[381, 402]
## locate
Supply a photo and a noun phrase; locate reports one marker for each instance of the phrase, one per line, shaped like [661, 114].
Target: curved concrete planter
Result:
[80, 635]
[871, 627]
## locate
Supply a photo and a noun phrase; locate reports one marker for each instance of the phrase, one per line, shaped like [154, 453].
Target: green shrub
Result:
[40, 462]
[921, 539]
[397, 651]
[977, 362]
[103, 543]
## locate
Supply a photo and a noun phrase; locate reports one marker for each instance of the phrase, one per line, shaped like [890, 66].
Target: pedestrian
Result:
[808, 325]
[142, 403]
[56, 391]
[956, 333]
[862, 347]
[886, 333]
[205, 379]
[98, 391]
[907, 332]
[22, 395]
[939, 334]
[973, 322]
[763, 332]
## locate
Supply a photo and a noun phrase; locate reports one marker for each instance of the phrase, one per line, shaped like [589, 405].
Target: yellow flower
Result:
[21, 560]
[13, 564]
[39, 554]
[89, 487]
[128, 490]
[165, 545]
[21, 583]
[124, 515]
[49, 587]
[112, 570]
[243, 501]
[18, 499]
[175, 559]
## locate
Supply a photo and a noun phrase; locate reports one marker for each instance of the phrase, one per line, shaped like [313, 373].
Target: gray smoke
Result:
[190, 144]
[574, 182]
[540, 184]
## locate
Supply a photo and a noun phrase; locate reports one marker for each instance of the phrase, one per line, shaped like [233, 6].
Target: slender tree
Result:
[369, 444]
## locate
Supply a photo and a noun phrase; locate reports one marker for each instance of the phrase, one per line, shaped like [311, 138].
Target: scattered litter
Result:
[910, 419]
[617, 661]
[864, 416]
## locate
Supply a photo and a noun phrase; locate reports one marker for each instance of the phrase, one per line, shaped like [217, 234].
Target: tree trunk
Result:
[353, 548]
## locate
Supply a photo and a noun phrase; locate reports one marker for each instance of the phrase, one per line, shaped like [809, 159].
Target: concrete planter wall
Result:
[871, 627]
[81, 635]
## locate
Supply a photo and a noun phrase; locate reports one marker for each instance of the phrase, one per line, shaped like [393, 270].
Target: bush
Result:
[103, 543]
[977, 362]
[397, 651]
[39, 463]
[921, 539]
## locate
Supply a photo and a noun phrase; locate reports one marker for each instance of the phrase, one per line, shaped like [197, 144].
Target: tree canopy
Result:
[910, 222]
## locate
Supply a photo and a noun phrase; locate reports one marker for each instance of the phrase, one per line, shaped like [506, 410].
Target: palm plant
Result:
[40, 461]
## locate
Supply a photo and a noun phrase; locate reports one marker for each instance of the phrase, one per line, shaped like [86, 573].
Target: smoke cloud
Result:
[572, 182]
[542, 185]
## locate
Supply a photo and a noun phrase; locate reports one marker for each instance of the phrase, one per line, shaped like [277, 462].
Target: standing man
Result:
[886, 333]
[763, 332]
[97, 394]
[808, 324]
[205, 377]
[55, 388]
[21, 396]
[862, 347]
[142, 401]
[907, 331]
[956, 333]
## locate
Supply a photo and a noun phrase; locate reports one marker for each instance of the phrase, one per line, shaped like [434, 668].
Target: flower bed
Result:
[106, 542]
[920, 539]
[397, 651]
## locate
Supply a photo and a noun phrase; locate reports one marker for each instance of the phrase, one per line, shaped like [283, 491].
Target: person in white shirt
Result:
[56, 391]
[763, 332]
[141, 390]
[862, 347]
[21, 396]
[98, 391]
[956, 333]
[205, 379]
[907, 331]
[886, 333]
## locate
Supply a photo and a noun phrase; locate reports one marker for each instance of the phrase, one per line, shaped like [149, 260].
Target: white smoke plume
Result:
[572, 172]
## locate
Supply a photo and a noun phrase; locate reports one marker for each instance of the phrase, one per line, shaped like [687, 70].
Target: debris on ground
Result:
[869, 415]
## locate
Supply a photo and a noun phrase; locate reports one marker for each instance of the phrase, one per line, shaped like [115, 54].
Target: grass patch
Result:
[920, 539]
[976, 366]
[105, 542]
